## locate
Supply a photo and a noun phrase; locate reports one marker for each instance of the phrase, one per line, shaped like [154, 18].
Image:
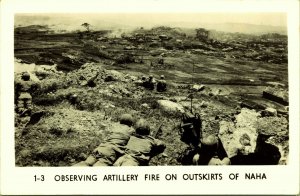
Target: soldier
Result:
[141, 82]
[161, 60]
[73, 99]
[141, 147]
[264, 153]
[23, 90]
[108, 152]
[150, 84]
[211, 152]
[143, 78]
[161, 84]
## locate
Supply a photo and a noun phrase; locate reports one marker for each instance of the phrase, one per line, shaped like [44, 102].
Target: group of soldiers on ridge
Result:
[150, 83]
[25, 87]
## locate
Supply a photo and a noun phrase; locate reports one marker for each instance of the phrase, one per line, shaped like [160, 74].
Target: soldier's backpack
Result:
[190, 129]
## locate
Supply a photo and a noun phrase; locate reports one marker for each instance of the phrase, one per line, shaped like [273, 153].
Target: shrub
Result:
[125, 58]
[48, 100]
[56, 130]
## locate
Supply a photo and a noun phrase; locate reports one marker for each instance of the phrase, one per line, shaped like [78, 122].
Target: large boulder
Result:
[115, 75]
[240, 136]
[170, 106]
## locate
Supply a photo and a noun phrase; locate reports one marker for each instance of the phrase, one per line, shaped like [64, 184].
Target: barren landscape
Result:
[239, 84]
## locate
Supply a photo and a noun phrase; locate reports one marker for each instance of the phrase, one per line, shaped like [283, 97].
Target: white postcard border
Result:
[17, 180]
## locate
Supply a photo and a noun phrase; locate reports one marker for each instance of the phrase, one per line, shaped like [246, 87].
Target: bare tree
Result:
[87, 26]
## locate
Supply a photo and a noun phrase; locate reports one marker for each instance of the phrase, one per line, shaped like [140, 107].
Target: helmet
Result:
[162, 77]
[210, 140]
[143, 77]
[142, 127]
[151, 76]
[126, 119]
[25, 76]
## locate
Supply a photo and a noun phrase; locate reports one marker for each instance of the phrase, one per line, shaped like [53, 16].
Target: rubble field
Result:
[239, 85]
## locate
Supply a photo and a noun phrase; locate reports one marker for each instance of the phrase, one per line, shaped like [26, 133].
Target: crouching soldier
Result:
[113, 147]
[141, 82]
[141, 147]
[150, 83]
[161, 84]
[211, 152]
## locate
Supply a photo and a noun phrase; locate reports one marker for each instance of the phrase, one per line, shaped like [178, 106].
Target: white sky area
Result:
[191, 20]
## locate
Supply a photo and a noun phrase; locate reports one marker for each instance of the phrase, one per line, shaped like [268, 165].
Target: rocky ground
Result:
[238, 88]
[65, 133]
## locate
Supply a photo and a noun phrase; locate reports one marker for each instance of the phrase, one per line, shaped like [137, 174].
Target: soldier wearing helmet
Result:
[161, 84]
[23, 90]
[74, 99]
[141, 147]
[150, 83]
[26, 76]
[142, 81]
[265, 153]
[210, 151]
[161, 60]
[112, 147]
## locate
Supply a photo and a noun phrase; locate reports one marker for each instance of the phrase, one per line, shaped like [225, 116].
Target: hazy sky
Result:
[148, 20]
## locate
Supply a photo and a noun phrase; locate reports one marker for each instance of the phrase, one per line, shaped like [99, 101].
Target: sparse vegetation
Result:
[87, 26]
[229, 68]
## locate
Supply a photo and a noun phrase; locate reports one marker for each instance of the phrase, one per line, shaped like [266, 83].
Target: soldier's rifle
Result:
[158, 132]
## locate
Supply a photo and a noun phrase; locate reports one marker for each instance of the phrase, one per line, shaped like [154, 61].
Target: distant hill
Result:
[234, 27]
[66, 23]
[246, 28]
[32, 28]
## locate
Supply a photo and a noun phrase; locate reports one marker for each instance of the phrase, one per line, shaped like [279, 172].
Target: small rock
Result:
[164, 155]
[203, 104]
[245, 140]
[109, 78]
[198, 87]
[145, 105]
[269, 112]
[133, 78]
[25, 153]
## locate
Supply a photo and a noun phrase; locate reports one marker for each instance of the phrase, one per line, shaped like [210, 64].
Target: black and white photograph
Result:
[116, 97]
[151, 89]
